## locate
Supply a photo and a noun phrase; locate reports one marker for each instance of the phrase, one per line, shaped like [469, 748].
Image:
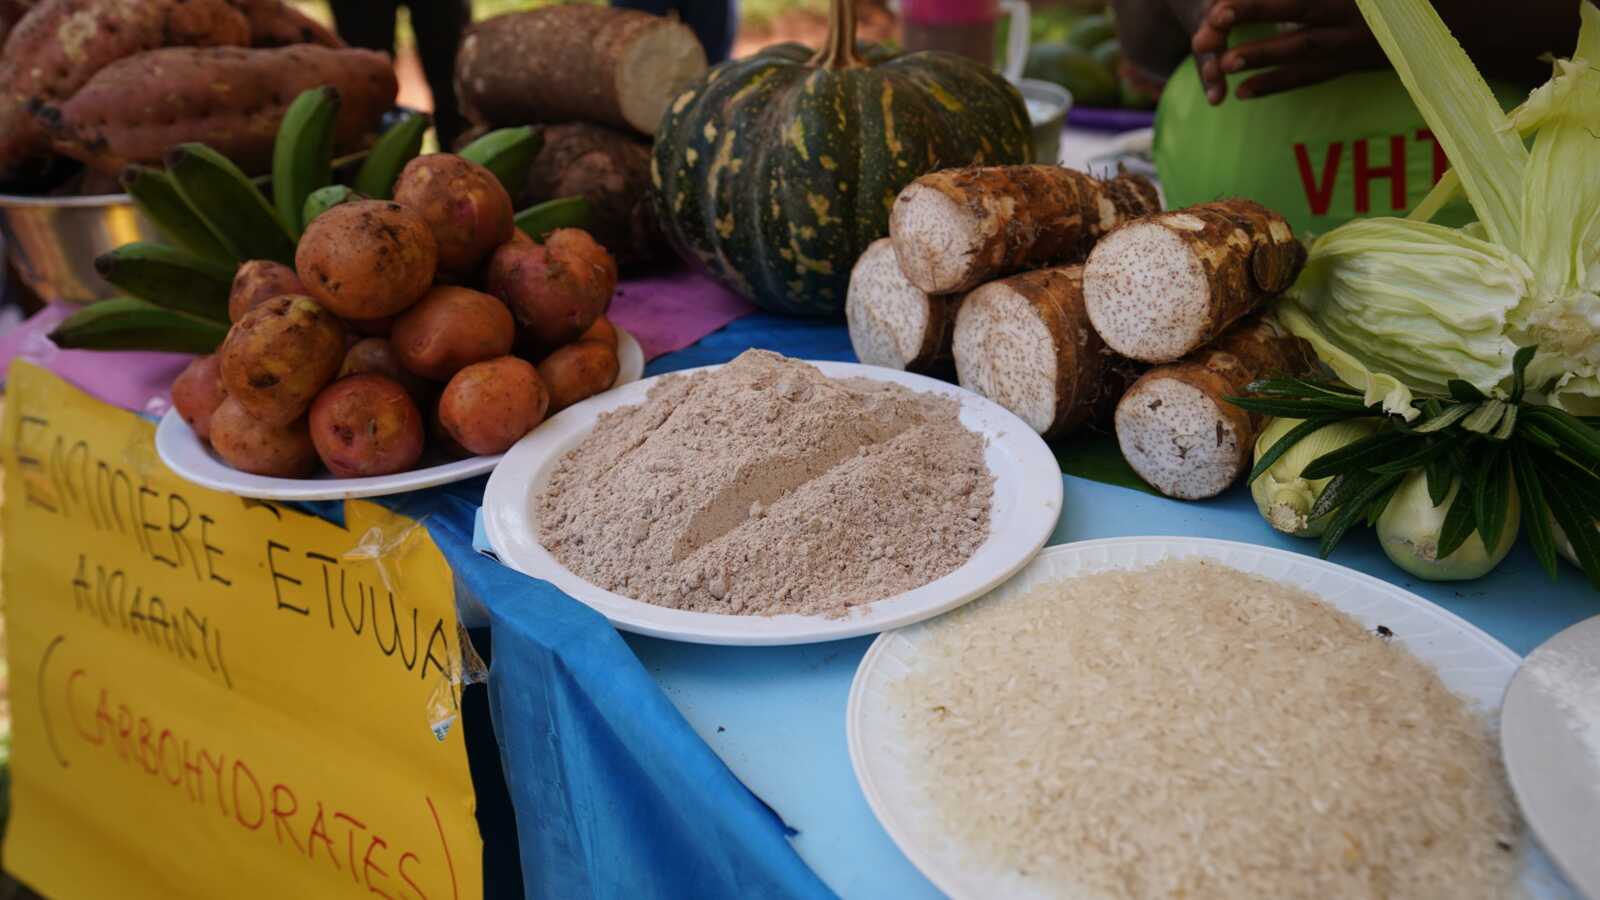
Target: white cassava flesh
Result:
[651, 72]
[892, 323]
[1178, 439]
[940, 237]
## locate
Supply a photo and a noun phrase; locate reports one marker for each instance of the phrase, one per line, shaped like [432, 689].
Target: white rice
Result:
[1188, 730]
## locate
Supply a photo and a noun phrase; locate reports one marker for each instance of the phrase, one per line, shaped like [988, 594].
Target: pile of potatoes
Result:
[428, 319]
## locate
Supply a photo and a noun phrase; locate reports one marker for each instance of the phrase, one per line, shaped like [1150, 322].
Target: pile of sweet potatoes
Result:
[110, 82]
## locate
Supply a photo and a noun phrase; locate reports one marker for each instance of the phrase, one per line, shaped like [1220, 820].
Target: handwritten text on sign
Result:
[213, 696]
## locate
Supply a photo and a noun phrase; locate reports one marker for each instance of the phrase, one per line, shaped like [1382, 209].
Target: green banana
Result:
[389, 154]
[169, 277]
[229, 203]
[302, 154]
[323, 199]
[128, 323]
[565, 212]
[156, 195]
[507, 152]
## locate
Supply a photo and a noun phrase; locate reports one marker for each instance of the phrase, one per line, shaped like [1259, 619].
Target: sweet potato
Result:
[559, 63]
[274, 23]
[59, 45]
[258, 280]
[279, 355]
[464, 204]
[451, 328]
[556, 289]
[197, 392]
[577, 372]
[364, 425]
[229, 98]
[610, 169]
[251, 445]
[489, 406]
[367, 259]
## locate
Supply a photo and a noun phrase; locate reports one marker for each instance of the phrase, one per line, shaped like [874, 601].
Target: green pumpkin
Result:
[774, 172]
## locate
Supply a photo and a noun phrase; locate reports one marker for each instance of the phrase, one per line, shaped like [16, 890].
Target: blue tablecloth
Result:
[642, 768]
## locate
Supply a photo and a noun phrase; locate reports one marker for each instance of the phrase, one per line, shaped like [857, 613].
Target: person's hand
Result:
[1319, 40]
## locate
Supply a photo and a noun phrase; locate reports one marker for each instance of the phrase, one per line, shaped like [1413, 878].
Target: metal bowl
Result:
[52, 241]
[1047, 109]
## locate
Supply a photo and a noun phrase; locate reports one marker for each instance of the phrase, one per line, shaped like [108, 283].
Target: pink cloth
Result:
[664, 312]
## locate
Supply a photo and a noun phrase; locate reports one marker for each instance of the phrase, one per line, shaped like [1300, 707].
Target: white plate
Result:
[195, 461]
[1471, 663]
[1556, 782]
[1027, 501]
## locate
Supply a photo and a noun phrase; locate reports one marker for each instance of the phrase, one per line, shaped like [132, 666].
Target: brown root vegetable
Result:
[59, 45]
[893, 323]
[1175, 425]
[274, 23]
[279, 355]
[556, 289]
[378, 327]
[451, 328]
[364, 425]
[1163, 286]
[197, 392]
[489, 406]
[603, 331]
[251, 445]
[1025, 343]
[956, 229]
[376, 356]
[610, 169]
[229, 98]
[465, 205]
[577, 372]
[367, 259]
[258, 280]
[592, 63]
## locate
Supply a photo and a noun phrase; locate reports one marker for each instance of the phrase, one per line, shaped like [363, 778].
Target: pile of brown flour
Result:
[765, 487]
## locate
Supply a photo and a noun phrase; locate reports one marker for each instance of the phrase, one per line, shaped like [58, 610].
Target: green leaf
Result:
[1282, 445]
[1483, 419]
[1579, 525]
[1535, 511]
[1363, 455]
[1353, 509]
[1464, 391]
[1337, 492]
[1460, 520]
[1381, 502]
[1519, 370]
[1569, 430]
[1432, 448]
[1300, 387]
[1537, 435]
[1560, 470]
[1096, 456]
[1440, 477]
[1507, 426]
[1492, 498]
[1440, 421]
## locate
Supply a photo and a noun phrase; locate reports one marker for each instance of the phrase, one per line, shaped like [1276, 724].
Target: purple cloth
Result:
[664, 312]
[132, 380]
[1094, 118]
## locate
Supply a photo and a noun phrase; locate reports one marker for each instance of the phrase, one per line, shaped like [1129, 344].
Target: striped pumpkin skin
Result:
[774, 174]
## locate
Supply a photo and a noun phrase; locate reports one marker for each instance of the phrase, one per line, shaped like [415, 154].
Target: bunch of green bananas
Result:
[216, 217]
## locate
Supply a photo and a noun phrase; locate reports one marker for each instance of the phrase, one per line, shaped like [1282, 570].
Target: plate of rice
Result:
[1174, 717]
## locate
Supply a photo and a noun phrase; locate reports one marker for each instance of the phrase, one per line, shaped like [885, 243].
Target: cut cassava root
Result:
[1177, 429]
[892, 323]
[1025, 343]
[953, 230]
[1163, 286]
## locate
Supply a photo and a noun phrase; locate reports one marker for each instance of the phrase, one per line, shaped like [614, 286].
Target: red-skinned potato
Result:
[364, 425]
[376, 356]
[258, 280]
[367, 259]
[577, 372]
[450, 328]
[464, 204]
[489, 406]
[370, 327]
[250, 445]
[279, 355]
[197, 392]
[556, 289]
[603, 331]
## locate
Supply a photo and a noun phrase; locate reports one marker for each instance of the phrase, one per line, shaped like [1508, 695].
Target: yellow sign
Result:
[217, 697]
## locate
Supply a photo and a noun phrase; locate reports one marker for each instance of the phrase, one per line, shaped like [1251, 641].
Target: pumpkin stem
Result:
[839, 50]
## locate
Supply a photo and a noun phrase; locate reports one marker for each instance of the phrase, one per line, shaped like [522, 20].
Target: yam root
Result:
[59, 45]
[610, 169]
[575, 62]
[956, 229]
[1175, 425]
[229, 98]
[893, 323]
[1025, 343]
[1161, 287]
[274, 23]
